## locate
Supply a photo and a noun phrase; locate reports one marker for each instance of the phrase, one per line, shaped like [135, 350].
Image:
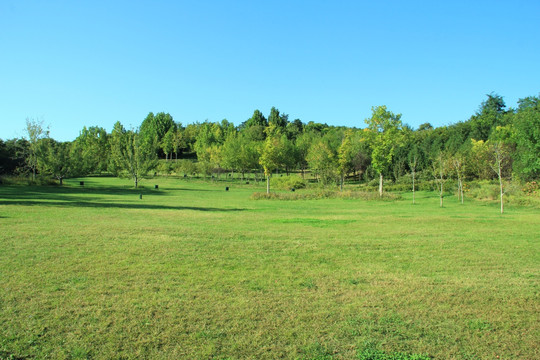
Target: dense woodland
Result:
[495, 143]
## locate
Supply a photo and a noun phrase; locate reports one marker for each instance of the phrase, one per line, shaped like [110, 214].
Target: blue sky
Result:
[87, 63]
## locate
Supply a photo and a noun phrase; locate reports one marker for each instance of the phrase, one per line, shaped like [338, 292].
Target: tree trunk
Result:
[61, 178]
[341, 184]
[136, 182]
[380, 185]
[268, 184]
[502, 192]
[461, 192]
[441, 194]
[413, 187]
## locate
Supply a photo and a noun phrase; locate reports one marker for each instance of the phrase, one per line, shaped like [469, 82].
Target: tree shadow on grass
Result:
[90, 198]
[89, 204]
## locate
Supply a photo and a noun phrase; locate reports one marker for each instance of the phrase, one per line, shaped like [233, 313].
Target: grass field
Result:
[192, 271]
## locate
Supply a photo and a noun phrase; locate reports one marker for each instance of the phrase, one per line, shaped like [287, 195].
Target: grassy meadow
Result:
[191, 271]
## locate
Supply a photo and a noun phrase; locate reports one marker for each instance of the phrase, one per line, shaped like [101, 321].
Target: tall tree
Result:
[168, 142]
[527, 128]
[385, 129]
[154, 127]
[277, 119]
[91, 148]
[489, 115]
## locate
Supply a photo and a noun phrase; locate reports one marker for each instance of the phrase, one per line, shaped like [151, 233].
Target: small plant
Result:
[288, 182]
[531, 188]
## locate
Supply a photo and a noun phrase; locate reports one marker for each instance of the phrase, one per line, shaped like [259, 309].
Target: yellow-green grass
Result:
[193, 271]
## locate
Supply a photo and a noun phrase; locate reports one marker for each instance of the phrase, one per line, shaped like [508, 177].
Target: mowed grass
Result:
[192, 271]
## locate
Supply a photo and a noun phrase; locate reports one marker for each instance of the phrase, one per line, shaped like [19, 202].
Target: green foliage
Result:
[56, 159]
[154, 127]
[527, 135]
[323, 162]
[91, 150]
[132, 154]
[288, 182]
[320, 194]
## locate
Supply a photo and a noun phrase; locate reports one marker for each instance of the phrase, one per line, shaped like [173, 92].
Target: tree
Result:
[322, 161]
[270, 155]
[346, 155]
[527, 135]
[154, 127]
[500, 158]
[91, 149]
[385, 129]
[278, 120]
[457, 163]
[133, 155]
[168, 142]
[440, 169]
[56, 160]
[248, 158]
[413, 162]
[13, 155]
[35, 132]
[489, 115]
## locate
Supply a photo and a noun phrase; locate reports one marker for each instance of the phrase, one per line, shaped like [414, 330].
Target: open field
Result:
[191, 271]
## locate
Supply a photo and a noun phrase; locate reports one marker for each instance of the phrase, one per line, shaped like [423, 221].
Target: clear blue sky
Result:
[87, 63]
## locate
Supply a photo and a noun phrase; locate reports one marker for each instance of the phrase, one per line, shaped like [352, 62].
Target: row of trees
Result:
[495, 142]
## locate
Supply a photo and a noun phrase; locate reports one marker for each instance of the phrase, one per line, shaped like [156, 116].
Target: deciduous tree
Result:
[385, 129]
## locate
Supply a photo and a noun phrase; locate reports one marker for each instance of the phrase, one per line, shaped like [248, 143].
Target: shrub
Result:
[326, 194]
[531, 188]
[26, 181]
[288, 182]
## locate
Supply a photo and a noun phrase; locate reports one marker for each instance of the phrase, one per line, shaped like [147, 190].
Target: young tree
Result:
[322, 161]
[413, 162]
[385, 129]
[346, 155]
[500, 164]
[35, 132]
[457, 163]
[249, 155]
[133, 154]
[440, 169]
[270, 154]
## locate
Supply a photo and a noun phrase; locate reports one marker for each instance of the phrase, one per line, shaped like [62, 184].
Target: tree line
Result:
[496, 142]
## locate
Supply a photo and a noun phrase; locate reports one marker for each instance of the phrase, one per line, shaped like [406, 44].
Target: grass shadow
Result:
[89, 204]
[89, 197]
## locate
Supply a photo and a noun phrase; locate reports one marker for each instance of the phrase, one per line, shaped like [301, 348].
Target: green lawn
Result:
[192, 271]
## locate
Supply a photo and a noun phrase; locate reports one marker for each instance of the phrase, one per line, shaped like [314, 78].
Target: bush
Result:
[26, 181]
[165, 167]
[326, 194]
[288, 182]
